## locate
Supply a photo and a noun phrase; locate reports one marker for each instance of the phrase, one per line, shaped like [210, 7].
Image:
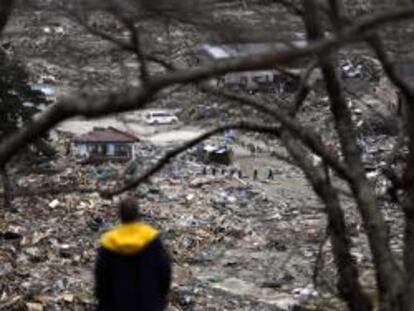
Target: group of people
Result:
[133, 268]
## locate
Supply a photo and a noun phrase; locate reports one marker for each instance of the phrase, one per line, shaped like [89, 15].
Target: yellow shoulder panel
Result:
[129, 239]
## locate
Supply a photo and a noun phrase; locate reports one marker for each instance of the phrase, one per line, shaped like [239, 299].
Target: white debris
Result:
[316, 160]
[372, 174]
[60, 31]
[190, 197]
[55, 203]
[305, 294]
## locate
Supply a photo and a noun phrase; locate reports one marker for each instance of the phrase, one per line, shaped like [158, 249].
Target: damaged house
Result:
[105, 144]
[275, 80]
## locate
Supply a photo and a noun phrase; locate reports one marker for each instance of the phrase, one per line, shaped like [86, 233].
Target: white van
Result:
[160, 117]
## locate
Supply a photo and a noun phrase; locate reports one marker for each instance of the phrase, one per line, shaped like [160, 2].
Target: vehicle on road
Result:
[160, 118]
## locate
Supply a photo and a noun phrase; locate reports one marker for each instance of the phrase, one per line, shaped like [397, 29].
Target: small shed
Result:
[105, 144]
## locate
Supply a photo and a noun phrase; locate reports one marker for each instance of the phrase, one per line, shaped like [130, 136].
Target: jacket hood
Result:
[128, 239]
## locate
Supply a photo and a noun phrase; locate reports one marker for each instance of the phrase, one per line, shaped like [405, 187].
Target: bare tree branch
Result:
[389, 68]
[319, 262]
[305, 134]
[6, 7]
[128, 46]
[291, 6]
[336, 13]
[348, 286]
[389, 278]
[135, 40]
[406, 128]
[123, 45]
[303, 90]
[338, 18]
[132, 100]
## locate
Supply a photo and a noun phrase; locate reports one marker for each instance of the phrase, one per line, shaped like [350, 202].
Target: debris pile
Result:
[237, 243]
[359, 67]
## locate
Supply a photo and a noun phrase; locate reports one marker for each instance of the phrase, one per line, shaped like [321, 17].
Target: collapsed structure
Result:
[273, 80]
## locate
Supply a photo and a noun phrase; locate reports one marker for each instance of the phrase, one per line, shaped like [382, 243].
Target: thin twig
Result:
[135, 42]
[319, 262]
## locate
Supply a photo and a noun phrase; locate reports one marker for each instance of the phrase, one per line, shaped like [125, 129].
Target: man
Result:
[133, 269]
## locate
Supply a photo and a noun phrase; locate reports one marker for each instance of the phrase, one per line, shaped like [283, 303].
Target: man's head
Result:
[128, 210]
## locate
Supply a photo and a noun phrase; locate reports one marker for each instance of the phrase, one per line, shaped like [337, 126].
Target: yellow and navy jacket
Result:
[133, 270]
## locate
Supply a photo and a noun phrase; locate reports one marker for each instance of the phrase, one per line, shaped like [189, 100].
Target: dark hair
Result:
[128, 210]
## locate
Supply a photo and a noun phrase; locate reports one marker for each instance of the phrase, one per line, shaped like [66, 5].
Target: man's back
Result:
[133, 270]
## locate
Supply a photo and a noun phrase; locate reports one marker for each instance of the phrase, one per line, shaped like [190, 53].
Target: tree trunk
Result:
[389, 278]
[244, 4]
[7, 188]
[5, 12]
[408, 207]
[388, 274]
[348, 284]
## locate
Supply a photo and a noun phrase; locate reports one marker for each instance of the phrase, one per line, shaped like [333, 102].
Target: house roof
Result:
[106, 135]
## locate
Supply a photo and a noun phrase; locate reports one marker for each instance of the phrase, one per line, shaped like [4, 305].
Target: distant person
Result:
[133, 269]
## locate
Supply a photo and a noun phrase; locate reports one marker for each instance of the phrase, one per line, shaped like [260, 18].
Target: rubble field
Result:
[238, 243]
